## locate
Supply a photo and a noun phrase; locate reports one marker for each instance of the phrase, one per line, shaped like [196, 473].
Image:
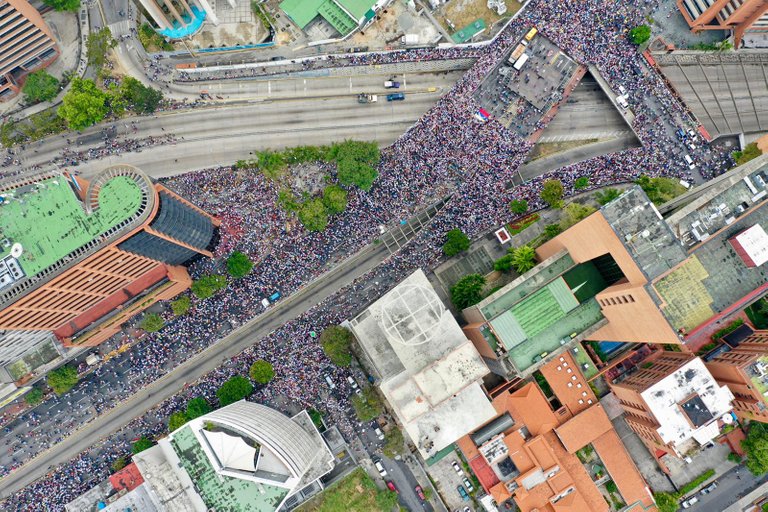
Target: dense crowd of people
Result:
[448, 152]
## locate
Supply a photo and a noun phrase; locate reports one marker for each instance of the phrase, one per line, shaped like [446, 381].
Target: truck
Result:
[521, 62]
[391, 84]
[409, 39]
[367, 98]
[398, 96]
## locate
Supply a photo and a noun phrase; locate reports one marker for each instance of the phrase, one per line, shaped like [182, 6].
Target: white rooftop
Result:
[754, 241]
[687, 402]
[430, 373]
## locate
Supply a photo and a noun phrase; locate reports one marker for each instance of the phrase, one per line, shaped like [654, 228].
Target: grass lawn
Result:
[546, 149]
[355, 493]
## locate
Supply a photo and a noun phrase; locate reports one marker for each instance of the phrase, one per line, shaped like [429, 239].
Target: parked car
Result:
[463, 493]
[391, 486]
[391, 84]
[708, 489]
[380, 467]
[420, 493]
[379, 433]
[457, 468]
[690, 502]
[468, 485]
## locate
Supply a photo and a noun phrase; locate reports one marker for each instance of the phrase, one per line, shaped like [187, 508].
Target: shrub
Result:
[523, 259]
[177, 420]
[143, 443]
[119, 464]
[152, 322]
[62, 379]
[455, 242]
[518, 206]
[181, 305]
[581, 183]
[34, 396]
[239, 265]
[261, 372]
[336, 342]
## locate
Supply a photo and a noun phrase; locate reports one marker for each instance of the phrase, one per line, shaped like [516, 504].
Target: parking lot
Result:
[518, 98]
[448, 481]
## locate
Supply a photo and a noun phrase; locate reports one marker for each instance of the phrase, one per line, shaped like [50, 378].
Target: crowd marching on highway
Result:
[447, 152]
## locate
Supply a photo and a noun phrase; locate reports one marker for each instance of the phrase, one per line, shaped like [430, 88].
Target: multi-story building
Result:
[744, 369]
[182, 18]
[429, 372]
[242, 457]
[544, 459]
[26, 44]
[78, 258]
[674, 403]
[740, 16]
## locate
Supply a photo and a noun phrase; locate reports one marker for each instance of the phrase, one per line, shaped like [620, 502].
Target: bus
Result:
[521, 61]
[531, 34]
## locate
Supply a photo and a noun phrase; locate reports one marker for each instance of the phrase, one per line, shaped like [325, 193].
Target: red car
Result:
[391, 486]
[420, 493]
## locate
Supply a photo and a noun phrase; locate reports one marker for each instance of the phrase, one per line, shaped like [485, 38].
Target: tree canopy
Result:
[519, 206]
[573, 213]
[63, 5]
[197, 407]
[313, 215]
[176, 420]
[181, 305]
[666, 502]
[34, 396]
[581, 183]
[62, 379]
[97, 45]
[138, 97]
[467, 291]
[233, 390]
[523, 259]
[607, 195]
[393, 442]
[239, 264]
[40, 86]
[141, 444]
[207, 286]
[552, 193]
[455, 242]
[83, 105]
[261, 371]
[356, 162]
[336, 342]
[660, 190]
[756, 446]
[152, 322]
[503, 264]
[367, 405]
[552, 230]
[640, 34]
[334, 199]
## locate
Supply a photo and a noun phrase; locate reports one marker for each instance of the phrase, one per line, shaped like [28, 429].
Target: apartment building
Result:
[739, 16]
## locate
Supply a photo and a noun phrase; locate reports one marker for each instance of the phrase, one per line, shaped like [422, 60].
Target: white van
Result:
[689, 161]
[329, 381]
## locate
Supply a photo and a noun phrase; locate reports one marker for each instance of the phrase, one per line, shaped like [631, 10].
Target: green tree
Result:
[756, 447]
[552, 193]
[581, 183]
[352, 172]
[607, 195]
[271, 163]
[313, 215]
[177, 420]
[233, 390]
[334, 199]
[139, 98]
[337, 342]
[393, 442]
[640, 34]
[207, 286]
[574, 213]
[503, 264]
[552, 230]
[34, 396]
[666, 502]
[261, 372]
[519, 206]
[40, 86]
[152, 322]
[239, 264]
[141, 444]
[97, 45]
[181, 305]
[367, 405]
[660, 190]
[197, 407]
[467, 291]
[455, 242]
[523, 259]
[63, 5]
[750, 152]
[83, 105]
[62, 379]
[119, 464]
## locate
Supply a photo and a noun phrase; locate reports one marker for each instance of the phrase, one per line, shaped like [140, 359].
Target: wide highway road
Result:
[303, 111]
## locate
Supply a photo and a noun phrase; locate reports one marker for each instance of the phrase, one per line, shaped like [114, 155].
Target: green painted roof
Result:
[343, 15]
[50, 222]
[221, 492]
[468, 32]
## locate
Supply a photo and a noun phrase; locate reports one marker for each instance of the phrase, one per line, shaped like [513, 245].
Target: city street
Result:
[730, 487]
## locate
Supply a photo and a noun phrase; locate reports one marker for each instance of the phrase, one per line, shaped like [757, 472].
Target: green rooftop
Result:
[343, 15]
[49, 221]
[468, 32]
[221, 492]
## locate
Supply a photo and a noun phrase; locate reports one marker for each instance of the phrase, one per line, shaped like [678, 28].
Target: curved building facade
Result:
[79, 258]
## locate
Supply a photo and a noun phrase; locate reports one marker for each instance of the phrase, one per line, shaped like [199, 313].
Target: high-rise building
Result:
[740, 16]
[744, 369]
[673, 403]
[182, 18]
[240, 458]
[78, 258]
[26, 44]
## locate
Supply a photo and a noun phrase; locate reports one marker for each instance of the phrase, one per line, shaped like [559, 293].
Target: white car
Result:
[380, 468]
[379, 433]
[457, 468]
[690, 501]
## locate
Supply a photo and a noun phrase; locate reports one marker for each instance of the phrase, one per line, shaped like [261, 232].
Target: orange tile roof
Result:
[127, 478]
[584, 485]
[467, 446]
[583, 428]
[528, 406]
[622, 469]
[500, 493]
[541, 452]
[574, 502]
[559, 374]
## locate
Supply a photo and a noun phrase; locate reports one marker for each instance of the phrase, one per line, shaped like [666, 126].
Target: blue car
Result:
[274, 296]
[396, 96]
[463, 493]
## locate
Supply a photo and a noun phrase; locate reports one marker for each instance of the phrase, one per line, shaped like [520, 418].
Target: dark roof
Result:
[722, 349]
[740, 334]
[493, 428]
[696, 411]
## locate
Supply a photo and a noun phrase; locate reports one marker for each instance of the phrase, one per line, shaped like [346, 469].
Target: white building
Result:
[430, 373]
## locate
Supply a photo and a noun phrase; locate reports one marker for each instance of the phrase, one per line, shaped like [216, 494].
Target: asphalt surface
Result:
[730, 488]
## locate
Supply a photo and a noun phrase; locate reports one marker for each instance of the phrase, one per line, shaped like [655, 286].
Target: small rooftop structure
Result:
[430, 373]
[751, 245]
